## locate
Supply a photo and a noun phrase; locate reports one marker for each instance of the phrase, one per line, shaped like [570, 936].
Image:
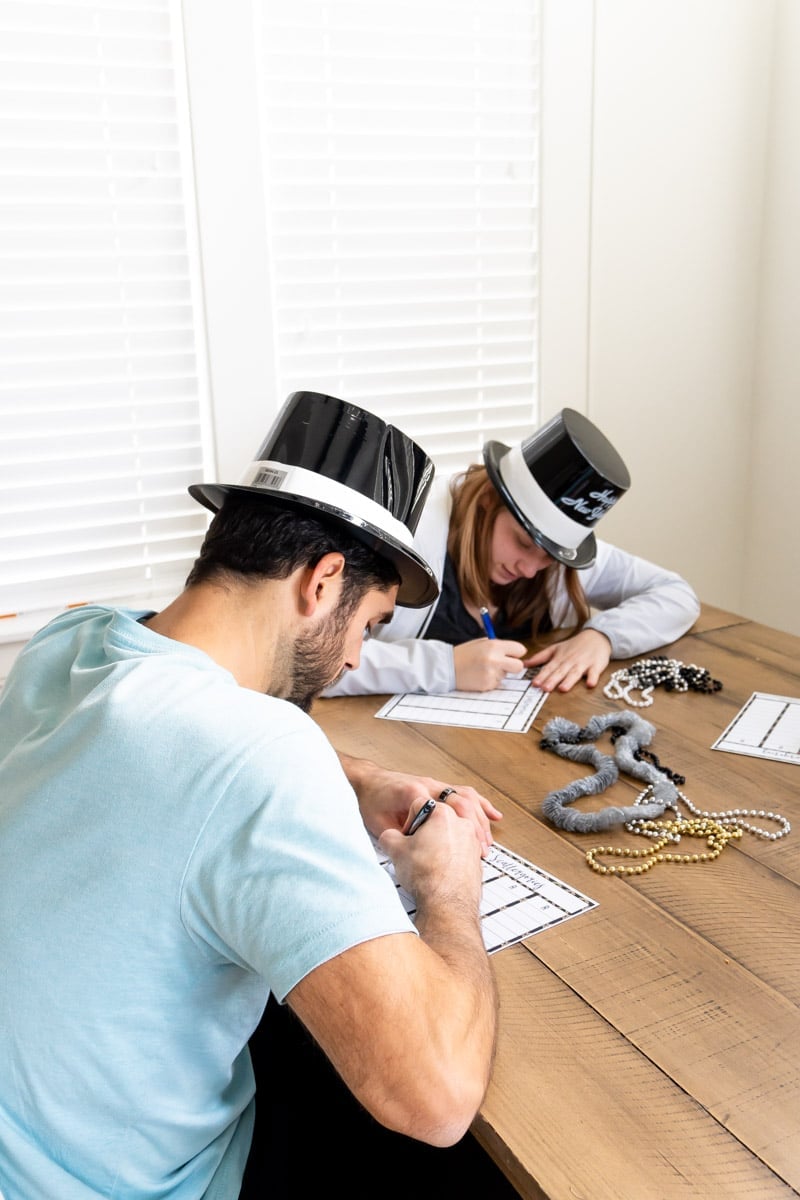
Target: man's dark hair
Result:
[258, 539]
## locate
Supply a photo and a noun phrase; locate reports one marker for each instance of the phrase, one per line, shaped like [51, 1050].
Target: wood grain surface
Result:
[649, 1048]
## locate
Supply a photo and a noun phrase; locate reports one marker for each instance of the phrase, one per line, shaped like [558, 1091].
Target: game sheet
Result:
[766, 726]
[509, 708]
[518, 898]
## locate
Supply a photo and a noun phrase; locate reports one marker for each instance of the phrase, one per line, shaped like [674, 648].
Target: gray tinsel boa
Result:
[571, 741]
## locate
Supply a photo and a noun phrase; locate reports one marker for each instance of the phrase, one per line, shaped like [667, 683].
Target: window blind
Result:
[401, 160]
[103, 404]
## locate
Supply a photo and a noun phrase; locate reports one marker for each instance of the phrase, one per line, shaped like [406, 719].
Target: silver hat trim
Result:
[282, 477]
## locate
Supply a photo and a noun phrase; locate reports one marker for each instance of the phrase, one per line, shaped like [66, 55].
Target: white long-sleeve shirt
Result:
[636, 604]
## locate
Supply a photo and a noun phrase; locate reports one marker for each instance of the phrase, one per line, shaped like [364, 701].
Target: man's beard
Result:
[317, 657]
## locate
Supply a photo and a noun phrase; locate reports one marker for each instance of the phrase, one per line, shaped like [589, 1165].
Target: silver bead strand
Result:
[734, 817]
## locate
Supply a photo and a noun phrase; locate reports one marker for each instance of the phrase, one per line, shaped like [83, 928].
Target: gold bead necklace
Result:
[664, 833]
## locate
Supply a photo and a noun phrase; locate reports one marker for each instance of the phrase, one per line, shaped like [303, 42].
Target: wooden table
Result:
[649, 1048]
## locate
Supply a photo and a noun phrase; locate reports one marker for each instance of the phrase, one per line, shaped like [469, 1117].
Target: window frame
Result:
[240, 337]
[232, 232]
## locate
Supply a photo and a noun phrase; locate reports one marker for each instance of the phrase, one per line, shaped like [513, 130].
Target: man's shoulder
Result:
[73, 618]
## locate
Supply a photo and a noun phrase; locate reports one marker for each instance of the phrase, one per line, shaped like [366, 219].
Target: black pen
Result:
[421, 816]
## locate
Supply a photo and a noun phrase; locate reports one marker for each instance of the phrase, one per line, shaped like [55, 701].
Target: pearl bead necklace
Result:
[731, 818]
[649, 673]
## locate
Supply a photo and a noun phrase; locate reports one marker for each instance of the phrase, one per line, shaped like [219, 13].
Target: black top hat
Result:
[558, 483]
[340, 462]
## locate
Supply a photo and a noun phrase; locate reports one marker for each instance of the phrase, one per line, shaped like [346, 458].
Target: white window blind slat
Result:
[36, 520]
[32, 372]
[115, 416]
[113, 465]
[131, 491]
[329, 298]
[25, 352]
[102, 445]
[81, 394]
[124, 548]
[388, 315]
[92, 320]
[33, 295]
[452, 339]
[401, 160]
[39, 188]
[95, 216]
[103, 398]
[120, 545]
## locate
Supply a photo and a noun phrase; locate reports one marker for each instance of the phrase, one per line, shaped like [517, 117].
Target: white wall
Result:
[771, 566]
[694, 286]
[681, 124]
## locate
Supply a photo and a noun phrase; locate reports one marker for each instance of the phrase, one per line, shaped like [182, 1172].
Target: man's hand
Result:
[439, 865]
[386, 797]
[564, 663]
[482, 665]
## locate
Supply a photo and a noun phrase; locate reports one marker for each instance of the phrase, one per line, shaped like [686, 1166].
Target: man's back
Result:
[140, 788]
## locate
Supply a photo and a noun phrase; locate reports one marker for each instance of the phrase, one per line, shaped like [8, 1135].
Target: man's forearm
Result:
[454, 934]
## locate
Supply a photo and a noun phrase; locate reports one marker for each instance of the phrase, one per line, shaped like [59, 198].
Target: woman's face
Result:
[512, 553]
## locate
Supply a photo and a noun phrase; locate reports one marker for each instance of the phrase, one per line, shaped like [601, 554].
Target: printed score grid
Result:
[518, 898]
[509, 708]
[766, 726]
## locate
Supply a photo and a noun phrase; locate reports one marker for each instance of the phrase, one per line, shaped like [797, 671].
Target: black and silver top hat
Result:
[335, 460]
[558, 483]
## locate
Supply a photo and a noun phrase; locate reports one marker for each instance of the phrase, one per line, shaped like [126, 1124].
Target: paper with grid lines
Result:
[517, 901]
[766, 726]
[509, 708]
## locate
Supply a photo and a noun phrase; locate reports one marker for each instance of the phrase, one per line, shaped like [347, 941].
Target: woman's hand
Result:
[482, 665]
[564, 663]
[386, 797]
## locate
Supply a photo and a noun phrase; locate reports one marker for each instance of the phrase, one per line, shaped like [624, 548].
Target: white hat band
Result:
[537, 505]
[281, 477]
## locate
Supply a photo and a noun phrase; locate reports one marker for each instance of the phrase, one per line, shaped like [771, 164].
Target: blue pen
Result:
[487, 623]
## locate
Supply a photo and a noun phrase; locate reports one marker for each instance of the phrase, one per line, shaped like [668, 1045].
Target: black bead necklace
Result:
[658, 671]
[640, 754]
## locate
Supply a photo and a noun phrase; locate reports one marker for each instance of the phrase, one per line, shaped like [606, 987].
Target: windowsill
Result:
[16, 631]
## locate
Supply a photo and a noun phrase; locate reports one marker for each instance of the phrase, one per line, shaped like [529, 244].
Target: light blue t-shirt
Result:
[173, 847]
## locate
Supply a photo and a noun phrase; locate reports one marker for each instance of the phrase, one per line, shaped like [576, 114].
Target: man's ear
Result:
[320, 585]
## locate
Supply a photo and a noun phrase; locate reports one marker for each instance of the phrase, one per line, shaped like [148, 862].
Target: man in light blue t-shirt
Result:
[180, 841]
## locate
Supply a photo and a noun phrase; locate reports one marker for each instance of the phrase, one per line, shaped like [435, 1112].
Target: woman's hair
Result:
[254, 539]
[476, 503]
